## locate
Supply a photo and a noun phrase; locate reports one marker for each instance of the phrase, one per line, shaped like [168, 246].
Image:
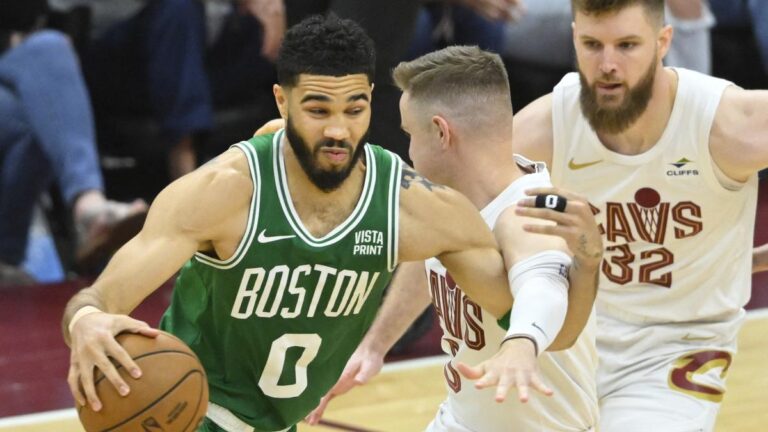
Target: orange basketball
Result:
[170, 396]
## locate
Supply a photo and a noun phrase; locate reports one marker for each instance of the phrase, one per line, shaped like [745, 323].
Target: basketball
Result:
[171, 395]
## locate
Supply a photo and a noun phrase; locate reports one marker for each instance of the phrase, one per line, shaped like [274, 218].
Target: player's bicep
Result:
[435, 219]
[737, 136]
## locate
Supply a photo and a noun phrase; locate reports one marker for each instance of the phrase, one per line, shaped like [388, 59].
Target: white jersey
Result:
[471, 335]
[677, 231]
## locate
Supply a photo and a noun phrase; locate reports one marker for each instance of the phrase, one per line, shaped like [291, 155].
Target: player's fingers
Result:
[73, 380]
[552, 230]
[569, 195]
[110, 372]
[502, 388]
[490, 379]
[117, 352]
[126, 323]
[546, 214]
[317, 414]
[470, 372]
[86, 379]
[522, 386]
[538, 385]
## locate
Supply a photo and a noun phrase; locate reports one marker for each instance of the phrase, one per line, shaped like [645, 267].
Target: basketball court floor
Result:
[34, 396]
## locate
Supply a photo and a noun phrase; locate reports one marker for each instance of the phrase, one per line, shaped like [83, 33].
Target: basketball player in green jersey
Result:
[285, 243]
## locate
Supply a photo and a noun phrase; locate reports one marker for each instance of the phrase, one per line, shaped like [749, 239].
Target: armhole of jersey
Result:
[393, 211]
[712, 172]
[557, 164]
[253, 214]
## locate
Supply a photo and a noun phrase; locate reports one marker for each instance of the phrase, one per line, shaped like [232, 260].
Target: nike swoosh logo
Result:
[688, 337]
[577, 166]
[263, 238]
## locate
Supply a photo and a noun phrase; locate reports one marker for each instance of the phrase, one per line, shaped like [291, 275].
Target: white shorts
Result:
[663, 377]
[445, 422]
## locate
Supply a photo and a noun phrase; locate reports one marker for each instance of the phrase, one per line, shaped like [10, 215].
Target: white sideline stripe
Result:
[38, 418]
[70, 413]
[757, 313]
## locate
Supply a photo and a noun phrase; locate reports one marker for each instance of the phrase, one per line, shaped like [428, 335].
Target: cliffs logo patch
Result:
[683, 167]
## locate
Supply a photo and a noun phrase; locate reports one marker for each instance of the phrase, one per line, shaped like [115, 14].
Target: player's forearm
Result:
[135, 271]
[406, 299]
[760, 258]
[583, 278]
[482, 276]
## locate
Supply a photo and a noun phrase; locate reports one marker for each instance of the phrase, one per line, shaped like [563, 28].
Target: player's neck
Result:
[320, 211]
[484, 175]
[648, 129]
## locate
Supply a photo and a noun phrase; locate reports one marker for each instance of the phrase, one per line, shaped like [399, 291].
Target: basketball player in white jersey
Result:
[462, 138]
[668, 158]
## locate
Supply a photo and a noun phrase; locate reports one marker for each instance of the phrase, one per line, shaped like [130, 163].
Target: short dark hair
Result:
[454, 74]
[653, 8]
[325, 45]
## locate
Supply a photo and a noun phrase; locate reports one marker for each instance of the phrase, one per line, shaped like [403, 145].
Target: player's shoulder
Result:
[220, 186]
[420, 196]
[532, 131]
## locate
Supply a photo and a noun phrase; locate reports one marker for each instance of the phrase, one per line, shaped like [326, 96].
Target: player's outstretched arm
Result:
[186, 217]
[436, 221]
[737, 138]
[575, 225]
[406, 299]
[537, 272]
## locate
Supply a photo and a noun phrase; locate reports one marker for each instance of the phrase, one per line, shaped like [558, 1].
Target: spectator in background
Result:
[691, 47]
[745, 13]
[46, 134]
[148, 58]
[463, 22]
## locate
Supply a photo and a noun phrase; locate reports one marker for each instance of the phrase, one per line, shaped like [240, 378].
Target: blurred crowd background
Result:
[104, 102]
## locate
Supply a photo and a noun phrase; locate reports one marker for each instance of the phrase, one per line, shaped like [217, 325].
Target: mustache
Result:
[331, 143]
[607, 79]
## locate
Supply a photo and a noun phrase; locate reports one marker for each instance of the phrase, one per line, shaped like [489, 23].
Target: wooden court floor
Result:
[406, 395]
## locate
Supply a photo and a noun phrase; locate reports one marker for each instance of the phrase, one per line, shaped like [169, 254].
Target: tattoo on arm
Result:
[583, 248]
[410, 176]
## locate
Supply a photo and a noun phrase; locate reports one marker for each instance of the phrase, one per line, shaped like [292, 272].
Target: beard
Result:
[326, 180]
[616, 120]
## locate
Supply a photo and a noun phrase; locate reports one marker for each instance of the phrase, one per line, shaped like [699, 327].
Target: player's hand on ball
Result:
[514, 365]
[575, 223]
[92, 344]
[361, 367]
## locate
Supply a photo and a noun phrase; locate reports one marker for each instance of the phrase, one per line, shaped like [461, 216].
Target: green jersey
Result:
[275, 324]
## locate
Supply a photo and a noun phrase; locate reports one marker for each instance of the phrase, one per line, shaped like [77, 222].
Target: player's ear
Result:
[281, 99]
[442, 129]
[664, 40]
